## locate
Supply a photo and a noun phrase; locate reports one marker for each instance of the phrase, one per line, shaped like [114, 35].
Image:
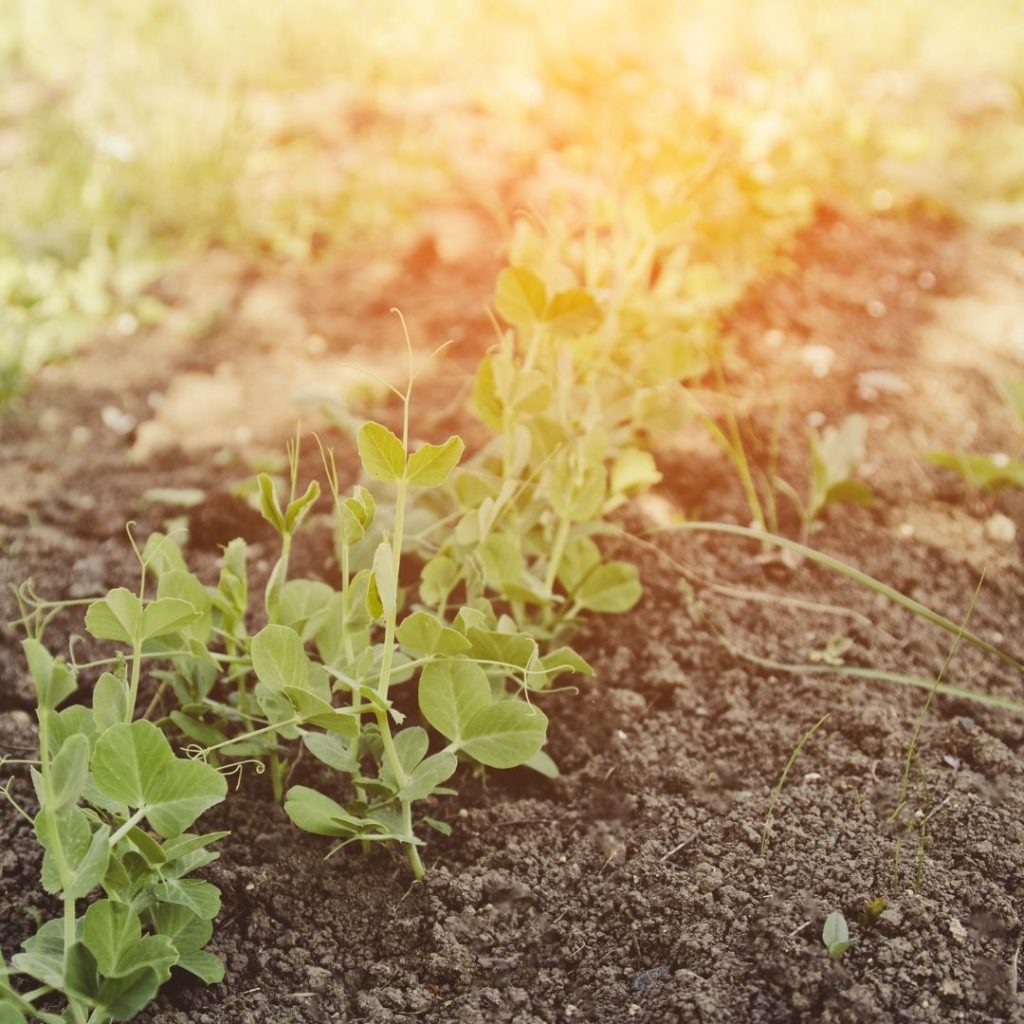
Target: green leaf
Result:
[553, 664]
[109, 701]
[300, 601]
[572, 312]
[450, 694]
[110, 930]
[411, 747]
[270, 507]
[167, 615]
[43, 956]
[69, 773]
[505, 734]
[333, 751]
[185, 929]
[634, 470]
[134, 764]
[202, 898]
[124, 998]
[613, 588]
[381, 453]
[279, 658]
[315, 710]
[313, 812]
[517, 649]
[431, 464]
[428, 775]
[299, 508]
[985, 472]
[543, 764]
[185, 587]
[384, 577]
[205, 966]
[521, 296]
[116, 617]
[836, 935]
[850, 492]
[501, 559]
[53, 680]
[426, 634]
[437, 580]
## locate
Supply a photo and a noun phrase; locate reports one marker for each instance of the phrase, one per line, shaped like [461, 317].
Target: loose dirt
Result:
[642, 885]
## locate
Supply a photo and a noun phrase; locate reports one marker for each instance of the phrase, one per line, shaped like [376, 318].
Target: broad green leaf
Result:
[124, 998]
[167, 615]
[426, 634]
[428, 775]
[81, 974]
[581, 557]
[634, 470]
[521, 296]
[90, 869]
[572, 312]
[205, 966]
[384, 577]
[301, 600]
[315, 710]
[186, 587]
[505, 734]
[471, 488]
[279, 658]
[431, 464]
[110, 930]
[319, 814]
[202, 898]
[381, 453]
[546, 669]
[501, 558]
[69, 773]
[54, 681]
[437, 580]
[43, 956]
[451, 693]
[333, 751]
[614, 587]
[116, 617]
[109, 701]
[134, 763]
[74, 834]
[411, 747]
[186, 930]
[515, 649]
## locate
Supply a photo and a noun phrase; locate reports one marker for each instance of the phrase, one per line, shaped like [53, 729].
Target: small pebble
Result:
[1001, 529]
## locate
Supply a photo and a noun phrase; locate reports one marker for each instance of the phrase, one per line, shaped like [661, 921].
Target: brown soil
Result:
[635, 887]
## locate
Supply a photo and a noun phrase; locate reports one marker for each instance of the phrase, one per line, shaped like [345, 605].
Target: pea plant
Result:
[115, 806]
[989, 472]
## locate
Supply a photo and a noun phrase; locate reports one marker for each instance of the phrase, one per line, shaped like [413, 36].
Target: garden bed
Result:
[638, 886]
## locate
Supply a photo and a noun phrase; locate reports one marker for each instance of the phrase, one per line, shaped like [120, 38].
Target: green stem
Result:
[133, 686]
[127, 827]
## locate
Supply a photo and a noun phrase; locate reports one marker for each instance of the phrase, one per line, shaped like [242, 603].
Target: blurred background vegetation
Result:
[665, 152]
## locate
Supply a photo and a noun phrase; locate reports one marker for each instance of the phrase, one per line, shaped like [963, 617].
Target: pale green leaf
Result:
[116, 617]
[505, 734]
[614, 588]
[381, 453]
[521, 296]
[279, 658]
[451, 693]
[431, 464]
